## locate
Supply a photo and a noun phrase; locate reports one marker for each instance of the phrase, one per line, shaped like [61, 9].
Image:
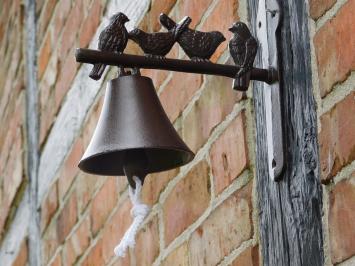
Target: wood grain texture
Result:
[290, 210]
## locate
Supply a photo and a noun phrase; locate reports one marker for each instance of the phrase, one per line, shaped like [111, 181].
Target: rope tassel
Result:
[138, 212]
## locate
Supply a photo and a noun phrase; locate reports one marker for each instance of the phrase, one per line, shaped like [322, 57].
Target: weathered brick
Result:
[154, 185]
[70, 168]
[336, 139]
[57, 261]
[90, 24]
[44, 19]
[224, 14]
[65, 78]
[224, 230]
[73, 21]
[77, 243]
[49, 242]
[178, 257]
[61, 15]
[318, 7]
[67, 218]
[178, 92]
[147, 243]
[114, 231]
[229, 154]
[187, 201]
[103, 203]
[22, 255]
[194, 9]
[49, 206]
[341, 220]
[334, 44]
[157, 7]
[44, 55]
[248, 257]
[85, 187]
[215, 103]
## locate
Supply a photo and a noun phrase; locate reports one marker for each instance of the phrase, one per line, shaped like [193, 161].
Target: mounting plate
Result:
[268, 19]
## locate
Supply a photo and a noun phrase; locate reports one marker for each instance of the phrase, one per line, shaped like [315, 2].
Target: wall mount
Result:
[199, 47]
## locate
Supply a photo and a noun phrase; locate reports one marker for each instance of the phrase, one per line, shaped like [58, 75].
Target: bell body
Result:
[133, 129]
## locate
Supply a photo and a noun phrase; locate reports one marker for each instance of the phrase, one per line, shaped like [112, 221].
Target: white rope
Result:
[138, 212]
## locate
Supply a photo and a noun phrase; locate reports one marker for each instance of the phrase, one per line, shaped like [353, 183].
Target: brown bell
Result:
[134, 135]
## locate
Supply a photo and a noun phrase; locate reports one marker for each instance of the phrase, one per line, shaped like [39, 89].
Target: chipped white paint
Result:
[17, 232]
[78, 101]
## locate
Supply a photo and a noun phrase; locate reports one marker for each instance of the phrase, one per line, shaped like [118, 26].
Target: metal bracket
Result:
[268, 19]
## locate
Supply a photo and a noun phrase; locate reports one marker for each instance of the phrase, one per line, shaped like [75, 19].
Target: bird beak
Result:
[231, 29]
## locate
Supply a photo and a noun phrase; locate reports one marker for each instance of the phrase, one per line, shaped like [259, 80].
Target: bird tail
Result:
[97, 71]
[183, 24]
[167, 22]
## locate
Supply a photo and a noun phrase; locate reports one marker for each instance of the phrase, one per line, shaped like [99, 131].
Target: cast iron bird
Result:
[243, 48]
[112, 39]
[158, 44]
[199, 46]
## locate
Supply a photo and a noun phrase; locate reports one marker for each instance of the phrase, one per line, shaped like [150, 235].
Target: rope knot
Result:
[138, 212]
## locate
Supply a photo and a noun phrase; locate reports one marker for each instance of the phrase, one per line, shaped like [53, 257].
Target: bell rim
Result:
[188, 152]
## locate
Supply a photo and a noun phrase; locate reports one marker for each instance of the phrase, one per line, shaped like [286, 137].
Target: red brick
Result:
[61, 15]
[57, 261]
[224, 14]
[341, 220]
[115, 229]
[337, 139]
[85, 187]
[318, 7]
[44, 55]
[65, 79]
[77, 243]
[158, 77]
[67, 218]
[187, 201]
[248, 257]
[103, 203]
[215, 103]
[91, 122]
[194, 9]
[147, 243]
[157, 7]
[334, 43]
[154, 184]
[73, 21]
[44, 19]
[49, 206]
[90, 24]
[178, 92]
[22, 256]
[49, 243]
[229, 154]
[70, 168]
[224, 230]
[178, 257]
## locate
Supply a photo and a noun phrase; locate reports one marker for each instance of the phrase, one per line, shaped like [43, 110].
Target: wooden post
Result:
[291, 209]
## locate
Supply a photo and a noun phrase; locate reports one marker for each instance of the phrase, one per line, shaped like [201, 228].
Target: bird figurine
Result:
[112, 39]
[243, 48]
[198, 45]
[158, 44]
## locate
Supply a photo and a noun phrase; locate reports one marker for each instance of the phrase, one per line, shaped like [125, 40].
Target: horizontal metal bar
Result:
[108, 58]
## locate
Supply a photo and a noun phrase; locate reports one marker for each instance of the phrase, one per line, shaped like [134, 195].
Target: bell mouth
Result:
[111, 163]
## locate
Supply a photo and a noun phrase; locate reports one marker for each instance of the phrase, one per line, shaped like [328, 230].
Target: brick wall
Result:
[204, 213]
[332, 26]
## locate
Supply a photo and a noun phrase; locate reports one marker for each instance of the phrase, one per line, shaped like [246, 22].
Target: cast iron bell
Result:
[134, 135]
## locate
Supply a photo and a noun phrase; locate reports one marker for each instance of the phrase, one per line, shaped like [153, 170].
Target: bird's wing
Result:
[104, 39]
[237, 50]
[251, 47]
